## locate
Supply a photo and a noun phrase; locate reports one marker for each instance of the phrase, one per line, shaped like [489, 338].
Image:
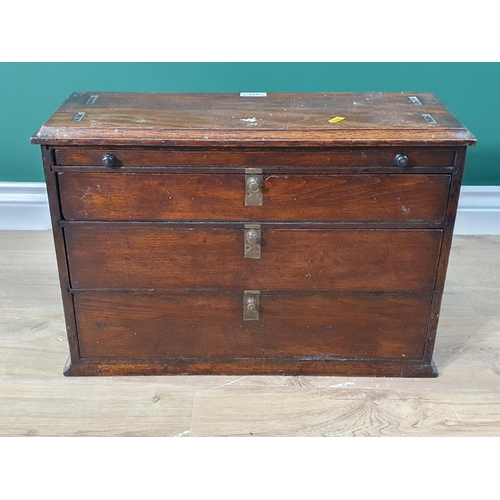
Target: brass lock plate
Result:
[252, 237]
[253, 187]
[251, 305]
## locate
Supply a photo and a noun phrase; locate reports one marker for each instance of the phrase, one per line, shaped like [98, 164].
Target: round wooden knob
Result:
[401, 160]
[108, 160]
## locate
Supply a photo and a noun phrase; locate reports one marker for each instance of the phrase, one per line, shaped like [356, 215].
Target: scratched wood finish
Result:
[338, 217]
[278, 119]
[299, 366]
[204, 324]
[286, 197]
[151, 256]
[236, 157]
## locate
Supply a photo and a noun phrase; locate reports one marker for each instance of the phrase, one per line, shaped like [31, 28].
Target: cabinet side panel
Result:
[60, 248]
[456, 183]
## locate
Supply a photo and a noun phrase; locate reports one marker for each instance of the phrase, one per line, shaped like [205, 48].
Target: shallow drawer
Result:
[202, 324]
[285, 197]
[159, 255]
[341, 157]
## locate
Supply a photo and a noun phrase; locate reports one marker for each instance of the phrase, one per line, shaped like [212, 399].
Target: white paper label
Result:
[253, 94]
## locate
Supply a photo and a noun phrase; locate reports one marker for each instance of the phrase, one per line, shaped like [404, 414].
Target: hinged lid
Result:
[241, 119]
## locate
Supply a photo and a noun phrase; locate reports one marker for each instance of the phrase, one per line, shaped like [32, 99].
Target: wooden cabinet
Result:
[226, 234]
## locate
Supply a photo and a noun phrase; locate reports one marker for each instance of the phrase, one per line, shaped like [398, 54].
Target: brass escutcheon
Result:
[253, 187]
[251, 303]
[252, 241]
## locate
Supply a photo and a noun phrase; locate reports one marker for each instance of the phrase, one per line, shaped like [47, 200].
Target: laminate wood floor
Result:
[36, 399]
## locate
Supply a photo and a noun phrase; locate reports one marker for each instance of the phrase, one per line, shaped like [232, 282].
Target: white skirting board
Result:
[478, 210]
[24, 206]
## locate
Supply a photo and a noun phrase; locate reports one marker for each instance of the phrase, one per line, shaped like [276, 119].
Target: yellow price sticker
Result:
[336, 119]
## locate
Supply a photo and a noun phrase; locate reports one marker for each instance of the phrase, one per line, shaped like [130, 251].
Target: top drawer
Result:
[333, 158]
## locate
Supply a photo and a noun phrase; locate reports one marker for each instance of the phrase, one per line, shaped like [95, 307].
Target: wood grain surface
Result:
[345, 158]
[165, 256]
[283, 120]
[35, 399]
[204, 324]
[285, 197]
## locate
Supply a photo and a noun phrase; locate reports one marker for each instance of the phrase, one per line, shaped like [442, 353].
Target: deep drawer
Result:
[285, 197]
[162, 256]
[204, 324]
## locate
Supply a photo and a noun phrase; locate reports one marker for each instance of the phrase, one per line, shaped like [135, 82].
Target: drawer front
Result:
[201, 324]
[163, 256]
[342, 157]
[285, 197]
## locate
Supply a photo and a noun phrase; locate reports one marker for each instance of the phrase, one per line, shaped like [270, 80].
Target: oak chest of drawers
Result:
[252, 233]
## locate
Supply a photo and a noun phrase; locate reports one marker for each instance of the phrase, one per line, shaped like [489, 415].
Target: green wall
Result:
[31, 92]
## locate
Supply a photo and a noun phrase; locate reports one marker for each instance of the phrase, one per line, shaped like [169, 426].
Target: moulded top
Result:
[252, 119]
